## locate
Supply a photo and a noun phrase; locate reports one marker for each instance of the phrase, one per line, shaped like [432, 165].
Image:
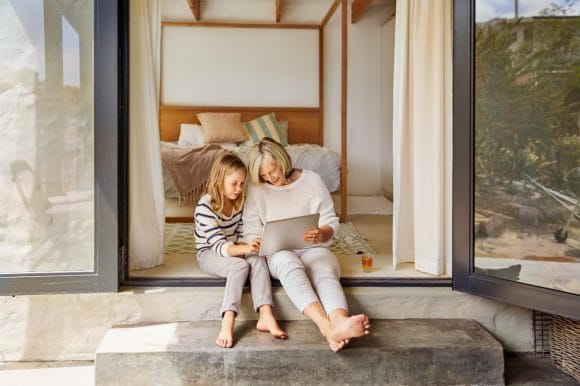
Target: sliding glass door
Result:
[58, 120]
[517, 152]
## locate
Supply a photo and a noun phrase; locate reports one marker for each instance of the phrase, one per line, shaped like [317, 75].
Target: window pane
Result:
[527, 143]
[47, 128]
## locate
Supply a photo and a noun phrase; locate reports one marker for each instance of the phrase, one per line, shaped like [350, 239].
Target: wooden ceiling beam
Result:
[359, 7]
[329, 14]
[238, 25]
[195, 6]
[278, 11]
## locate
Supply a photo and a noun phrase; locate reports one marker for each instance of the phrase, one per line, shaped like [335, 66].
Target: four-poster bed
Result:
[304, 124]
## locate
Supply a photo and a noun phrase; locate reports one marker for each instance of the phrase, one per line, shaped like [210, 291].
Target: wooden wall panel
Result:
[304, 124]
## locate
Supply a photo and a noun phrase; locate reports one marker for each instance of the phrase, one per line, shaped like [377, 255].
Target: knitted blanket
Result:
[189, 169]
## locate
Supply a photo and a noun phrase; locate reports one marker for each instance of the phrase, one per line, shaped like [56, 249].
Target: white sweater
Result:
[306, 195]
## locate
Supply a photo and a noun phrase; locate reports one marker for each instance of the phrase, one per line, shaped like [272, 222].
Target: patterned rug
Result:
[348, 241]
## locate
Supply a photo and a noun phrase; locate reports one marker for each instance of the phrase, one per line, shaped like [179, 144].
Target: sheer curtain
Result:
[146, 202]
[422, 135]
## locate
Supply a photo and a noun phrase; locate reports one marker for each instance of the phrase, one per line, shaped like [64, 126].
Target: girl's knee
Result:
[240, 266]
[256, 261]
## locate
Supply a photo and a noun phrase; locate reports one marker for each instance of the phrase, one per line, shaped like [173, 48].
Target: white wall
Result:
[368, 140]
[239, 67]
[387, 66]
[61, 327]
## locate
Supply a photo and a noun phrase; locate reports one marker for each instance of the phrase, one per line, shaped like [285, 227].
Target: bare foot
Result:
[267, 323]
[350, 327]
[334, 345]
[225, 338]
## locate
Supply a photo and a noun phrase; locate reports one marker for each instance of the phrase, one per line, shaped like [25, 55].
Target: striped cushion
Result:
[264, 126]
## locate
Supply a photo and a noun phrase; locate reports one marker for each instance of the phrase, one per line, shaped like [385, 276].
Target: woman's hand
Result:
[319, 235]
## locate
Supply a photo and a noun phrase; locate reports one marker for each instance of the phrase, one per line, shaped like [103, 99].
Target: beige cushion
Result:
[222, 127]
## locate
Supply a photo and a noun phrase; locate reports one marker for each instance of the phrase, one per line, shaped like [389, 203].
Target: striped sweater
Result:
[214, 230]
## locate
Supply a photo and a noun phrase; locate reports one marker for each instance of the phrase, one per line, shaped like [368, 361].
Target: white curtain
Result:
[422, 135]
[146, 202]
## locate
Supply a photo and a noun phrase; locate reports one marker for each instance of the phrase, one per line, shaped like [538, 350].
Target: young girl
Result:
[222, 252]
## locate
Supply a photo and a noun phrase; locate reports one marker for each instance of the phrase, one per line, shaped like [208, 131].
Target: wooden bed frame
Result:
[304, 125]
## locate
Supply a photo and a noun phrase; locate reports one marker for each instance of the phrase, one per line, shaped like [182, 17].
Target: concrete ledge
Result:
[71, 326]
[416, 351]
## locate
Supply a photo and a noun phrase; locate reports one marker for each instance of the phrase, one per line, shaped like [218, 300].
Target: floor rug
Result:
[348, 241]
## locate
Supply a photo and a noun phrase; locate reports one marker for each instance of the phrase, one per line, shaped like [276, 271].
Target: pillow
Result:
[169, 144]
[283, 130]
[231, 146]
[264, 126]
[222, 127]
[190, 135]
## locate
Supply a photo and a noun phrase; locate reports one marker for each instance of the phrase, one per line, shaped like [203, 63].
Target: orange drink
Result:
[367, 262]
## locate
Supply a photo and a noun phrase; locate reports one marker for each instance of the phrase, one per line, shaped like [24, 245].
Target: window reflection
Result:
[527, 142]
[46, 122]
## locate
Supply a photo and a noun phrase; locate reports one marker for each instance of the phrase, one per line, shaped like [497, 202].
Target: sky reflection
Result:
[486, 10]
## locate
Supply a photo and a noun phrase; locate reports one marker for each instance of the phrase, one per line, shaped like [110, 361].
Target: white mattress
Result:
[317, 158]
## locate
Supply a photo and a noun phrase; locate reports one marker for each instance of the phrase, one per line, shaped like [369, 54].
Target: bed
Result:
[302, 128]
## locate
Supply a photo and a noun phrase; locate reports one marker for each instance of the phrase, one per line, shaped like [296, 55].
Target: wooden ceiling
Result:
[358, 9]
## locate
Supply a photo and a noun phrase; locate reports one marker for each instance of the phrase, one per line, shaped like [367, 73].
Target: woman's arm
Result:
[328, 217]
[252, 222]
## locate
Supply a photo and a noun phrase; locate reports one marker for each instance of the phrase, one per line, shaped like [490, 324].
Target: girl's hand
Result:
[241, 249]
[255, 246]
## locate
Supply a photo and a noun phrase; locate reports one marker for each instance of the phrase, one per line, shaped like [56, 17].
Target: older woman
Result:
[309, 276]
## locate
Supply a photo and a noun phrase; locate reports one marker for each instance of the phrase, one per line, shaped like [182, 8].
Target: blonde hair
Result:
[268, 146]
[227, 164]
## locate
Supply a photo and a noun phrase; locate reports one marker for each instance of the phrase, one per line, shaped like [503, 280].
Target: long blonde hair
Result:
[227, 164]
[275, 150]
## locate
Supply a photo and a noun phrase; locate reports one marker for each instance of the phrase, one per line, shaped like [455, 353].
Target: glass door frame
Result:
[109, 116]
[125, 280]
[464, 277]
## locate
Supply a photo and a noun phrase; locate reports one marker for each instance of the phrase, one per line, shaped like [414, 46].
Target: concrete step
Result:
[509, 324]
[398, 352]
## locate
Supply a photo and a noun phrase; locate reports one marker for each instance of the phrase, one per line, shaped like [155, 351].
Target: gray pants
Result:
[309, 275]
[236, 270]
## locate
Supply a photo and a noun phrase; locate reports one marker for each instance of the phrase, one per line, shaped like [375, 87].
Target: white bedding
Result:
[319, 159]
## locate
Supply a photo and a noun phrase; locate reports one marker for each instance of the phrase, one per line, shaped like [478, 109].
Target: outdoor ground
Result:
[514, 231]
[521, 370]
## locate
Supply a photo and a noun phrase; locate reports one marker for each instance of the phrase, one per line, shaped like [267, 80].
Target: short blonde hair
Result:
[227, 164]
[268, 146]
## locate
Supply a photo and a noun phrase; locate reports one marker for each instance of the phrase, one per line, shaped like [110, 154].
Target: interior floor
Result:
[376, 230]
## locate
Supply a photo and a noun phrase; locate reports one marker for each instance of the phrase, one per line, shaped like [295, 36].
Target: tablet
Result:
[287, 234]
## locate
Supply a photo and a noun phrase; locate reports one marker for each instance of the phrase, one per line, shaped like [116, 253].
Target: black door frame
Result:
[123, 170]
[464, 278]
[107, 131]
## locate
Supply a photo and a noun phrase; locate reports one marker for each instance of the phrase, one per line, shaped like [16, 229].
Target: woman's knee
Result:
[323, 263]
[284, 262]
